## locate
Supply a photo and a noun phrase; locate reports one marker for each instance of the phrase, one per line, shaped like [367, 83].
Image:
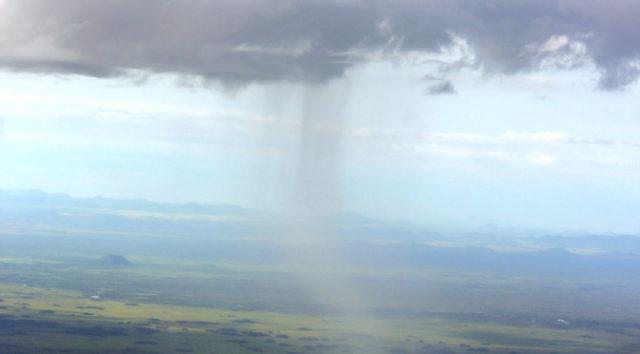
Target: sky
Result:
[516, 113]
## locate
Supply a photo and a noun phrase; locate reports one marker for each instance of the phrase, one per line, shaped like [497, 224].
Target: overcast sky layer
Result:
[520, 113]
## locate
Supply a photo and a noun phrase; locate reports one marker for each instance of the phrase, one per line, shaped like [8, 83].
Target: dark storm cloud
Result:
[242, 41]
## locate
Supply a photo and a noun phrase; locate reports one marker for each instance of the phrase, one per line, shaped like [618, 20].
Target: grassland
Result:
[68, 304]
[220, 286]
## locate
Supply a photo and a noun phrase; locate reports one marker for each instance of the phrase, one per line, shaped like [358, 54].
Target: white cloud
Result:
[519, 149]
[554, 43]
[541, 137]
[540, 158]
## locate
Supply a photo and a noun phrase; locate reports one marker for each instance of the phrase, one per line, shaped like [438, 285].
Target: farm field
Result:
[70, 306]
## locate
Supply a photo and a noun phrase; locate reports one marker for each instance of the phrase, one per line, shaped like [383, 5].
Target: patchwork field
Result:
[85, 275]
[80, 305]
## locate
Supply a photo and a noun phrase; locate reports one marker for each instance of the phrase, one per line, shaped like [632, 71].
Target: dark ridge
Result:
[116, 260]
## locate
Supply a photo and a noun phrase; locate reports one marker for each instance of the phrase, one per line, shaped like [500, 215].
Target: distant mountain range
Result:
[37, 211]
[40, 199]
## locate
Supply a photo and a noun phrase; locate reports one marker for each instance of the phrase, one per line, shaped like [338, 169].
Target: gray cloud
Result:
[242, 41]
[441, 88]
